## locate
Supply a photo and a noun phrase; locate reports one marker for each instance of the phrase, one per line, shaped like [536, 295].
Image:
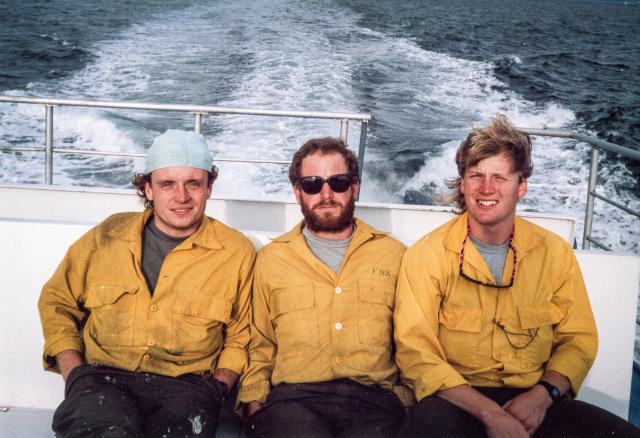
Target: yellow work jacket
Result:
[197, 320]
[311, 324]
[447, 328]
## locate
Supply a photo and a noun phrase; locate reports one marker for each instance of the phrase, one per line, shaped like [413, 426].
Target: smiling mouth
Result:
[181, 210]
[487, 203]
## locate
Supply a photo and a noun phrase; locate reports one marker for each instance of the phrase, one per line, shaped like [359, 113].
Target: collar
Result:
[131, 227]
[363, 232]
[525, 236]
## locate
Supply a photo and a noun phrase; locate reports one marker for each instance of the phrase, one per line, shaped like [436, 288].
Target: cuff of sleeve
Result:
[254, 392]
[56, 347]
[441, 376]
[573, 369]
[234, 359]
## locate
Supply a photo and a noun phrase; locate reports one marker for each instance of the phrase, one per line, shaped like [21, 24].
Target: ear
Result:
[148, 191]
[522, 188]
[298, 192]
[209, 190]
[462, 185]
[355, 188]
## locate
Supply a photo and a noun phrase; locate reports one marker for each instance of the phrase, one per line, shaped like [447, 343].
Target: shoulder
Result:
[536, 236]
[278, 247]
[114, 224]
[230, 237]
[434, 241]
[382, 239]
[118, 220]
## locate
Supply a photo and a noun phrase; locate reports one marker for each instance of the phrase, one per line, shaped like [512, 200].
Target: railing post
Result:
[198, 122]
[344, 129]
[48, 148]
[361, 147]
[593, 180]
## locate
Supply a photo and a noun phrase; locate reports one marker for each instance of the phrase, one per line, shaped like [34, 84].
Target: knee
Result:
[433, 416]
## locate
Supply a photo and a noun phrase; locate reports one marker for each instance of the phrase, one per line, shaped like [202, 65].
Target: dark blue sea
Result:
[427, 70]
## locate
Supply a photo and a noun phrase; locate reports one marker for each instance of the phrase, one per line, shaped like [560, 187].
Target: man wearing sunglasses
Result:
[493, 327]
[321, 361]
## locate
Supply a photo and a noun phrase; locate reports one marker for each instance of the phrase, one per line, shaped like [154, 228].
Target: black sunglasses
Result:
[312, 185]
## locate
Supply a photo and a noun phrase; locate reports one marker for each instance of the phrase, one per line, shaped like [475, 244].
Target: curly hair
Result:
[500, 137]
[140, 181]
[325, 145]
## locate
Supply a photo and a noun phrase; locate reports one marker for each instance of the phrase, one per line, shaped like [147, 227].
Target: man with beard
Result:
[321, 361]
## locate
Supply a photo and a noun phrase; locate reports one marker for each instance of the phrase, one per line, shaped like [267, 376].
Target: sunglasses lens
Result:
[340, 183]
[311, 185]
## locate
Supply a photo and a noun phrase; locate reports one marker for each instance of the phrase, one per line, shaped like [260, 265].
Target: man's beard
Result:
[320, 223]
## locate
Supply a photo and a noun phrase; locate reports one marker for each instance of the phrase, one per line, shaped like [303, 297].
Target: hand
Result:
[497, 422]
[226, 376]
[253, 407]
[67, 361]
[530, 407]
[503, 425]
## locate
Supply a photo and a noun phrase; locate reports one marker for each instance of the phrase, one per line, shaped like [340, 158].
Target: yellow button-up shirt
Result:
[447, 328]
[98, 302]
[311, 324]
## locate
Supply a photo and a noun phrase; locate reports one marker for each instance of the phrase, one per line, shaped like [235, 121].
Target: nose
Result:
[486, 186]
[181, 194]
[326, 192]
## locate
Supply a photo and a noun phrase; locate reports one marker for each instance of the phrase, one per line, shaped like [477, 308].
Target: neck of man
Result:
[332, 235]
[491, 234]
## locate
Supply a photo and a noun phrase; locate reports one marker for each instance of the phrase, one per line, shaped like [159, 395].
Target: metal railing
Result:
[596, 145]
[343, 118]
[197, 110]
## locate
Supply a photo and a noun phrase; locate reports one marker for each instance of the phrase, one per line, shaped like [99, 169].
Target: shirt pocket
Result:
[113, 309]
[459, 333]
[537, 320]
[294, 315]
[375, 312]
[198, 322]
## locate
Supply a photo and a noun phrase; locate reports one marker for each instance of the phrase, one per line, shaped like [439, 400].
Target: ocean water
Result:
[427, 70]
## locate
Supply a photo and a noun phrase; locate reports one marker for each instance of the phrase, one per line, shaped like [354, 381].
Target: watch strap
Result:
[553, 391]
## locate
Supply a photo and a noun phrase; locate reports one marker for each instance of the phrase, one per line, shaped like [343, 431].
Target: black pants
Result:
[436, 417]
[339, 408]
[108, 402]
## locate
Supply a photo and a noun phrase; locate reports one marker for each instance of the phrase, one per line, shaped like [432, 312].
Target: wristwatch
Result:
[554, 392]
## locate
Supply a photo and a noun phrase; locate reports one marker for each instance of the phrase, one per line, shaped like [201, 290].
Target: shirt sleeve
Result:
[255, 384]
[59, 305]
[234, 354]
[575, 339]
[419, 354]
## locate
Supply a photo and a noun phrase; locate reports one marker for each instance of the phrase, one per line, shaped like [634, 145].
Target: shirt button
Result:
[338, 290]
[151, 342]
[339, 360]
[338, 325]
[154, 307]
[146, 357]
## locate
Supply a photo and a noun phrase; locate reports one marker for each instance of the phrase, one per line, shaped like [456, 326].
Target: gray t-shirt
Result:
[494, 255]
[330, 252]
[155, 247]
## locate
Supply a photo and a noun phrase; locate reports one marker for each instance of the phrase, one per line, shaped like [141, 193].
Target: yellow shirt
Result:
[446, 327]
[197, 319]
[313, 325]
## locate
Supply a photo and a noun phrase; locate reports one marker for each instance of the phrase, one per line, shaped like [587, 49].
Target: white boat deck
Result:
[38, 223]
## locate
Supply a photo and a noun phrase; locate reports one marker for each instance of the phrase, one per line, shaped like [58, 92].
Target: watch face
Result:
[552, 390]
